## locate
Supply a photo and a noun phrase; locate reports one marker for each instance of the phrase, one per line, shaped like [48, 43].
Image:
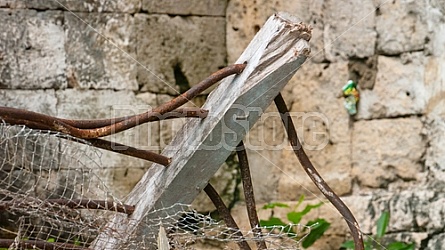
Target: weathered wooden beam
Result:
[199, 149]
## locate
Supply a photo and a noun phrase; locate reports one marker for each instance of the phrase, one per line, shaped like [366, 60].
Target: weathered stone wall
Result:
[110, 58]
[97, 59]
[390, 155]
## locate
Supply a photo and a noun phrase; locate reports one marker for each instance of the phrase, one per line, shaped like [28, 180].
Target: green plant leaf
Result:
[300, 201]
[401, 246]
[318, 227]
[308, 208]
[271, 222]
[273, 205]
[51, 240]
[348, 245]
[295, 217]
[382, 223]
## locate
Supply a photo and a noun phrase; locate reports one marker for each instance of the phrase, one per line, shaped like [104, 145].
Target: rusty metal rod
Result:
[163, 108]
[225, 214]
[76, 204]
[103, 144]
[130, 151]
[177, 113]
[61, 125]
[31, 119]
[39, 244]
[249, 195]
[315, 176]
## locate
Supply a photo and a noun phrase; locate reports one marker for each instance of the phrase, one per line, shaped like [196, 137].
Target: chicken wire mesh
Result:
[52, 197]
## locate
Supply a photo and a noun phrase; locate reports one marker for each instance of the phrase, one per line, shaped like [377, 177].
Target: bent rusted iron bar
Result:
[177, 113]
[75, 204]
[249, 195]
[35, 120]
[130, 151]
[315, 176]
[39, 244]
[225, 214]
[103, 144]
[130, 122]
[163, 108]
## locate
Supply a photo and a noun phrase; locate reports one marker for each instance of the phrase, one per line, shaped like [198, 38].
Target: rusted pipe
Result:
[130, 151]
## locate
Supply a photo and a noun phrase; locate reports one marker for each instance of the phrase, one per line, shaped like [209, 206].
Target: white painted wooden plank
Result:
[199, 149]
[163, 239]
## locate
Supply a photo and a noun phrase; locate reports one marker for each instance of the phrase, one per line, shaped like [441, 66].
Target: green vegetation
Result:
[315, 227]
[376, 242]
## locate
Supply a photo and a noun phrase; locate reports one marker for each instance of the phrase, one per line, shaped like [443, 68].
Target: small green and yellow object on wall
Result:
[352, 96]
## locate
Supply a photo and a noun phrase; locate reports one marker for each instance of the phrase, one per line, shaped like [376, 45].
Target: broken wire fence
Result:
[52, 196]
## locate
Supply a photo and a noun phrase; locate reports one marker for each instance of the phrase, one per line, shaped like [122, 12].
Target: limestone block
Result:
[169, 128]
[101, 55]
[436, 26]
[411, 209]
[117, 6]
[333, 162]
[399, 88]
[437, 241]
[118, 172]
[13, 4]
[435, 153]
[322, 125]
[434, 78]
[407, 208]
[27, 151]
[265, 171]
[434, 12]
[189, 7]
[75, 104]
[32, 55]
[384, 151]
[245, 18]
[401, 26]
[315, 89]
[435, 122]
[349, 29]
[264, 143]
[178, 52]
[42, 101]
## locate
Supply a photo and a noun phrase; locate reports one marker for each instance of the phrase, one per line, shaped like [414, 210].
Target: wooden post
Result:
[202, 146]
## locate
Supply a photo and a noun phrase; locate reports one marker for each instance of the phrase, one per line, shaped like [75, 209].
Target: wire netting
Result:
[50, 184]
